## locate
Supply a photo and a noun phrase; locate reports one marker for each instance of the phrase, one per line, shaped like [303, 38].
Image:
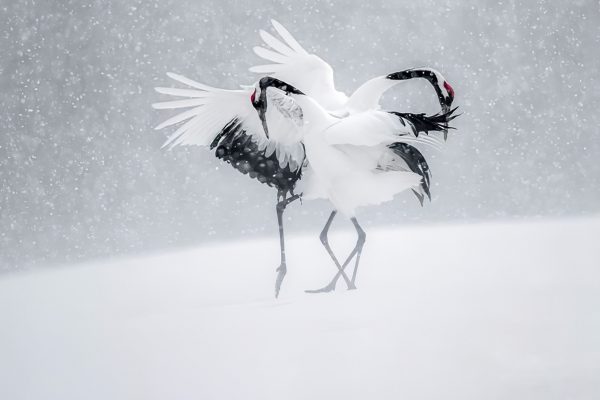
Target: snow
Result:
[82, 175]
[481, 311]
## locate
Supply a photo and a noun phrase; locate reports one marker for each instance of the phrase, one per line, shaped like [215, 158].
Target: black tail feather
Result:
[417, 164]
[425, 123]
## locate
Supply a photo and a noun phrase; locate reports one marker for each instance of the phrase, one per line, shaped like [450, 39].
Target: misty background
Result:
[82, 174]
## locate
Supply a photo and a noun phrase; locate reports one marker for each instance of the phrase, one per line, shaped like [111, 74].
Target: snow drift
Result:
[490, 311]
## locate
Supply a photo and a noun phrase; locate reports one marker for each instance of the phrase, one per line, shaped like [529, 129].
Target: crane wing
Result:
[213, 116]
[369, 128]
[290, 62]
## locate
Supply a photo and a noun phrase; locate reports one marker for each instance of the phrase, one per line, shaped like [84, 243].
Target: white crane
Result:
[358, 160]
[227, 120]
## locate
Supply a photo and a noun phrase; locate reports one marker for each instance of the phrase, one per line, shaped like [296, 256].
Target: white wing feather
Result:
[294, 65]
[180, 92]
[189, 82]
[211, 109]
[370, 128]
[270, 55]
[179, 118]
[367, 96]
[168, 105]
[374, 128]
[289, 39]
[275, 44]
[313, 76]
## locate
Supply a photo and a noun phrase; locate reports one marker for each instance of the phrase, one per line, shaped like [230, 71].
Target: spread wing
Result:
[210, 116]
[290, 62]
[367, 129]
[374, 128]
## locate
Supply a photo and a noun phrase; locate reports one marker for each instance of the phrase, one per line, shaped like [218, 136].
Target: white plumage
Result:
[345, 154]
[213, 109]
[294, 122]
[311, 74]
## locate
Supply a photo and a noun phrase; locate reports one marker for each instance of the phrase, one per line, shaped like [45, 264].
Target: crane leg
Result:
[324, 240]
[282, 269]
[360, 242]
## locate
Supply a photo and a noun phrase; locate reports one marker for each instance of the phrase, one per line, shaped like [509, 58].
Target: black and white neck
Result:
[442, 88]
[259, 100]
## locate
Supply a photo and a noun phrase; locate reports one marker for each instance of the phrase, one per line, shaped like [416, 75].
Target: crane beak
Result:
[262, 114]
[264, 123]
[261, 109]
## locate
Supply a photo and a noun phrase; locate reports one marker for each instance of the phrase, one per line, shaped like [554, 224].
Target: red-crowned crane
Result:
[227, 121]
[358, 160]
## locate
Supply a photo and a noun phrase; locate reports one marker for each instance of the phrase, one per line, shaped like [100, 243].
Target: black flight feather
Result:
[237, 148]
[427, 123]
[417, 164]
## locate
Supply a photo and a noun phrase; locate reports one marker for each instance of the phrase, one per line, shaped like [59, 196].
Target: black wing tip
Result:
[429, 123]
[419, 196]
[443, 116]
[230, 129]
[416, 163]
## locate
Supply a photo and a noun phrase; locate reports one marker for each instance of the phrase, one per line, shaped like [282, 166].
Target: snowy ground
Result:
[484, 311]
